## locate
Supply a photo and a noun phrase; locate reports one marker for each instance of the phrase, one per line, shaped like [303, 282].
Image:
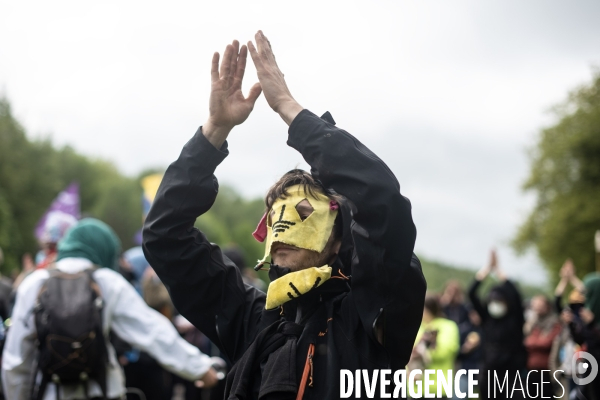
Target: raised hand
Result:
[493, 260]
[567, 271]
[271, 79]
[228, 107]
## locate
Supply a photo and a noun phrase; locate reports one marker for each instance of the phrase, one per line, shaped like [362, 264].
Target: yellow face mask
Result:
[285, 225]
[295, 284]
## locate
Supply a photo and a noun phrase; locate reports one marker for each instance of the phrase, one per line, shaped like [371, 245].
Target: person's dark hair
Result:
[310, 185]
[432, 304]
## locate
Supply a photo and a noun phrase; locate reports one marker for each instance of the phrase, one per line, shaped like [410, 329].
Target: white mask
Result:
[497, 309]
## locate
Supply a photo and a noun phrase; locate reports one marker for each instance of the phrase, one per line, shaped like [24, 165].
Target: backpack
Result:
[70, 339]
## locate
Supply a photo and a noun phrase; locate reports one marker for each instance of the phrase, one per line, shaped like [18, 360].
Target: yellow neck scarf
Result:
[295, 284]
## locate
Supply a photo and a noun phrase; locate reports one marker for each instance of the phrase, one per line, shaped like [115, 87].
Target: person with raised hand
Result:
[502, 322]
[346, 290]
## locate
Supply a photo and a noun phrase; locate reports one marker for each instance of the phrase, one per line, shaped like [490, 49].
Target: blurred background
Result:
[487, 112]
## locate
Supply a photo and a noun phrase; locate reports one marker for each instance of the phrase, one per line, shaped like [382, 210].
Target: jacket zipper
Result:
[308, 370]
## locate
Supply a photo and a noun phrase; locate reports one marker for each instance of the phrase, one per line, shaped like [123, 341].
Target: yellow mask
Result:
[285, 225]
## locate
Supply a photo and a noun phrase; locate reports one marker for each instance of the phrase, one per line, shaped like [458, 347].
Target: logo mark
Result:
[583, 364]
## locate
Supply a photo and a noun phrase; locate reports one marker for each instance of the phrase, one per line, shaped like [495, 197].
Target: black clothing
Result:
[502, 341]
[503, 346]
[6, 297]
[472, 359]
[339, 317]
[459, 313]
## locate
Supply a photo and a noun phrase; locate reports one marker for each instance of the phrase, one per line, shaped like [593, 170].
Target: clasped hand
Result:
[228, 106]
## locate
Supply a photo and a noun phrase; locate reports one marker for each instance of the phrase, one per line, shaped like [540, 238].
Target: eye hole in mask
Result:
[304, 209]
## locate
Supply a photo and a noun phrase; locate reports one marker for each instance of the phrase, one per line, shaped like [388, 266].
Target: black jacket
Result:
[503, 347]
[377, 250]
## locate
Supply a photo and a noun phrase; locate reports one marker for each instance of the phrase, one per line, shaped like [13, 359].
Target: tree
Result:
[565, 176]
[32, 173]
[231, 221]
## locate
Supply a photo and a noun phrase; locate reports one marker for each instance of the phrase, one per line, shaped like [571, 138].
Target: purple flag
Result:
[64, 211]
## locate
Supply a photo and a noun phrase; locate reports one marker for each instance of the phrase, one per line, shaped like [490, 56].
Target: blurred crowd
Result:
[144, 376]
[488, 326]
[535, 342]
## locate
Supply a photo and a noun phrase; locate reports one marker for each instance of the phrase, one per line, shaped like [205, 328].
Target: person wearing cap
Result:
[93, 243]
[346, 290]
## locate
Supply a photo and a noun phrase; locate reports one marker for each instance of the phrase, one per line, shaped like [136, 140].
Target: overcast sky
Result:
[450, 94]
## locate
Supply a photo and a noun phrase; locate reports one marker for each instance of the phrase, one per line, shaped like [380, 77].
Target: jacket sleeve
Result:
[151, 331]
[206, 287]
[476, 301]
[386, 277]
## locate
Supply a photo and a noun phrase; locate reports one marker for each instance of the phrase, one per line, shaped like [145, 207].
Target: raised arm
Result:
[480, 277]
[387, 279]
[205, 286]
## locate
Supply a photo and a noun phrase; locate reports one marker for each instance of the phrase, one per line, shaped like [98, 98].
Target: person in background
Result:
[55, 227]
[5, 310]
[142, 371]
[564, 347]
[541, 331]
[585, 330]
[470, 355]
[502, 323]
[93, 243]
[437, 342]
[577, 296]
[249, 275]
[453, 303]
[5, 293]
[27, 267]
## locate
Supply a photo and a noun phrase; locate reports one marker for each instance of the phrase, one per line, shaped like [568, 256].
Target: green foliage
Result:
[32, 173]
[565, 176]
[231, 221]
[438, 274]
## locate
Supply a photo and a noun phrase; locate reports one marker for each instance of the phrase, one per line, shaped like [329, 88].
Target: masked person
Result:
[502, 321]
[346, 291]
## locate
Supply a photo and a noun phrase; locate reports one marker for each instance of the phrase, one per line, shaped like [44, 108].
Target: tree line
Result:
[34, 171]
[564, 175]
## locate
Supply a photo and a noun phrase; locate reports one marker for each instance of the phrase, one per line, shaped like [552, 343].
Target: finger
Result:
[214, 70]
[254, 54]
[234, 60]
[258, 40]
[241, 67]
[265, 48]
[261, 43]
[255, 91]
[226, 62]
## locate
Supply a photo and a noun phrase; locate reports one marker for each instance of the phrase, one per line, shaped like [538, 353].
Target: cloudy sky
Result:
[450, 94]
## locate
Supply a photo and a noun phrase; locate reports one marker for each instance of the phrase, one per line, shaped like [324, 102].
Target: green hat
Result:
[91, 239]
[592, 294]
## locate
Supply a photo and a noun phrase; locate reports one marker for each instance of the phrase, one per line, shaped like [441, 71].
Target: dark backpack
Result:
[68, 319]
